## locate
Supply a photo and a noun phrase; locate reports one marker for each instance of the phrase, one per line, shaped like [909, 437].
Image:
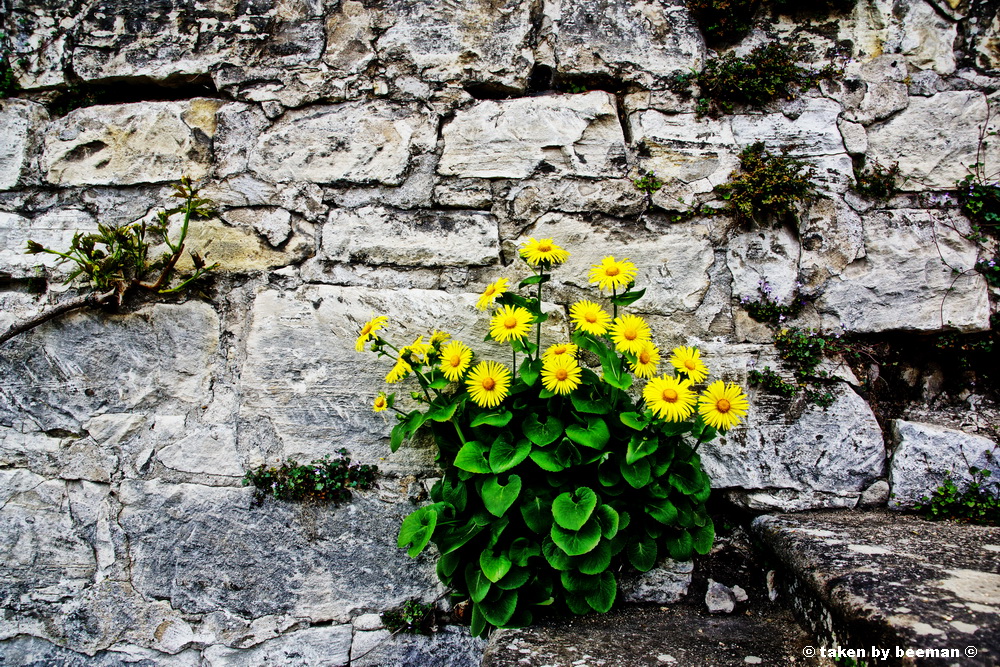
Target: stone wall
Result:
[388, 156]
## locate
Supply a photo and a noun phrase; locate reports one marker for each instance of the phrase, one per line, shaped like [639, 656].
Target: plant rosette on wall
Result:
[556, 476]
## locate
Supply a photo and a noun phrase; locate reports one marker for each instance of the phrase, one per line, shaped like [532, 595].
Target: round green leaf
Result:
[575, 582]
[663, 511]
[494, 565]
[637, 474]
[596, 561]
[498, 419]
[688, 478]
[703, 537]
[499, 497]
[478, 626]
[577, 542]
[603, 596]
[417, 529]
[505, 454]
[556, 557]
[609, 519]
[577, 604]
[521, 550]
[537, 514]
[446, 566]
[679, 546]
[642, 554]
[542, 434]
[472, 457]
[477, 582]
[516, 578]
[500, 611]
[571, 510]
[547, 460]
[639, 446]
[594, 434]
[457, 537]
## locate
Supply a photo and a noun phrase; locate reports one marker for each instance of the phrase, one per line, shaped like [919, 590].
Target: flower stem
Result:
[614, 293]
[538, 326]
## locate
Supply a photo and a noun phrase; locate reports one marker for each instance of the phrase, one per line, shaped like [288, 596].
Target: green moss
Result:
[767, 186]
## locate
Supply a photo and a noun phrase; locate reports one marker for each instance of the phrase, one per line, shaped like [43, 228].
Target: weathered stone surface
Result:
[371, 235]
[349, 37]
[238, 126]
[26, 650]
[577, 135]
[666, 583]
[274, 224]
[149, 142]
[355, 142]
[905, 279]
[68, 457]
[528, 200]
[451, 646]
[646, 42]
[934, 140]
[330, 645]
[927, 39]
[855, 137]
[924, 455]
[239, 250]
[19, 123]
[53, 229]
[766, 258]
[719, 599]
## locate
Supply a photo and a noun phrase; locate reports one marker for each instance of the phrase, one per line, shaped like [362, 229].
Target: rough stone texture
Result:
[719, 599]
[53, 229]
[864, 579]
[924, 454]
[314, 646]
[152, 142]
[450, 646]
[355, 142]
[565, 134]
[666, 583]
[19, 123]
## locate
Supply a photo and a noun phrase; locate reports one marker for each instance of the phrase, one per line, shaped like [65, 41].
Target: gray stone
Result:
[356, 142]
[148, 142]
[881, 100]
[210, 451]
[274, 224]
[25, 651]
[68, 457]
[238, 126]
[765, 256]
[463, 193]
[925, 454]
[370, 235]
[450, 646]
[904, 280]
[739, 594]
[19, 123]
[719, 599]
[855, 137]
[367, 622]
[529, 199]
[666, 583]
[876, 495]
[330, 646]
[564, 134]
[349, 38]
[831, 237]
[927, 39]
[54, 229]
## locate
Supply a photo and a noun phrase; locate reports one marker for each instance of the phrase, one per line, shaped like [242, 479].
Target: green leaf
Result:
[572, 510]
[499, 497]
[598, 406]
[609, 520]
[578, 604]
[446, 566]
[448, 489]
[413, 421]
[477, 582]
[458, 537]
[530, 370]
[397, 436]
[501, 610]
[537, 514]
[639, 446]
[608, 473]
[539, 433]
[628, 297]
[575, 582]
[494, 565]
[516, 578]
[498, 419]
[504, 455]
[439, 382]
[703, 537]
[596, 561]
[688, 478]
[556, 557]
[534, 280]
[679, 546]
[595, 434]
[642, 554]
[478, 626]
[577, 542]
[546, 460]
[417, 529]
[442, 413]
[472, 457]
[634, 420]
[521, 550]
[663, 511]
[603, 596]
[636, 474]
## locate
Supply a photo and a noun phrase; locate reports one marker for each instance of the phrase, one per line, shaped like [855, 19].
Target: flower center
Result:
[722, 405]
[455, 361]
[591, 317]
[689, 364]
[630, 334]
[644, 357]
[611, 271]
[379, 402]
[488, 383]
[367, 329]
[559, 350]
[510, 322]
[670, 395]
[561, 374]
[490, 290]
[544, 247]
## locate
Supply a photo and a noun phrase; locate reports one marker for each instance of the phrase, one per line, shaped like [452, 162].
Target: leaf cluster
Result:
[413, 617]
[8, 81]
[877, 181]
[804, 349]
[648, 183]
[765, 308]
[767, 186]
[772, 382]
[977, 503]
[322, 480]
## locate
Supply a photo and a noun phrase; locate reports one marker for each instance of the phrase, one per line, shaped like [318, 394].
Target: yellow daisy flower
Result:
[544, 251]
[381, 402]
[611, 274]
[455, 359]
[669, 398]
[629, 333]
[413, 352]
[367, 332]
[488, 383]
[398, 372]
[560, 350]
[510, 322]
[561, 374]
[646, 361]
[590, 318]
[492, 291]
[439, 337]
[722, 405]
[687, 360]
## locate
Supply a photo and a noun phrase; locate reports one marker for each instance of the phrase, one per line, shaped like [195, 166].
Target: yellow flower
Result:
[439, 337]
[413, 352]
[687, 360]
[367, 332]
[398, 372]
[381, 402]
[629, 333]
[722, 405]
[510, 322]
[492, 291]
[560, 350]
[544, 251]
[588, 317]
[560, 374]
[646, 361]
[488, 383]
[669, 398]
[455, 359]
[610, 274]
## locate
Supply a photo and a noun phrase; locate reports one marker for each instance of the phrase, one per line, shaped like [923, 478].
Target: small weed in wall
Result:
[767, 186]
[323, 480]
[648, 183]
[876, 181]
[765, 308]
[413, 617]
[977, 503]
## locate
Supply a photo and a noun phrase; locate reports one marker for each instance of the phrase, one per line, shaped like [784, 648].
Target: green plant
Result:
[772, 382]
[804, 350]
[877, 182]
[723, 21]
[767, 309]
[990, 269]
[648, 183]
[413, 617]
[766, 186]
[556, 478]
[978, 502]
[8, 81]
[322, 480]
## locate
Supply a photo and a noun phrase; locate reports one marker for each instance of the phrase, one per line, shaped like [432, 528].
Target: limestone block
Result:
[274, 224]
[881, 100]
[646, 42]
[61, 374]
[927, 39]
[463, 193]
[934, 140]
[575, 135]
[925, 453]
[527, 200]
[371, 235]
[68, 457]
[20, 121]
[206, 548]
[27, 650]
[986, 44]
[330, 645]
[905, 281]
[855, 137]
[666, 583]
[358, 142]
[241, 250]
[349, 38]
[832, 236]
[451, 646]
[238, 126]
[148, 142]
[812, 132]
[770, 255]
[210, 450]
[474, 42]
[53, 229]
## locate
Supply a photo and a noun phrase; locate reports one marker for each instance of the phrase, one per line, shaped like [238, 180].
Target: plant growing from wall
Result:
[765, 308]
[322, 480]
[876, 181]
[117, 263]
[767, 186]
[556, 477]
[413, 617]
[978, 502]
[8, 82]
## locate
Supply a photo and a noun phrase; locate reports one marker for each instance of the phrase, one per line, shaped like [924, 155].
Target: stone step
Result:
[928, 593]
